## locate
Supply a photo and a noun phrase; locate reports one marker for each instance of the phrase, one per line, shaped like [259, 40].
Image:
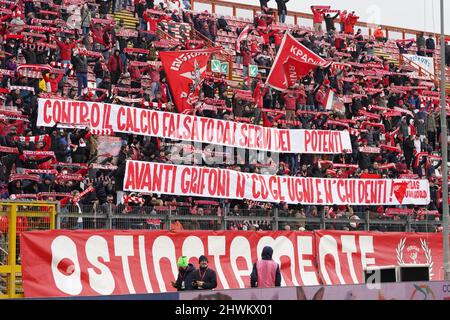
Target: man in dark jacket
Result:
[329, 21]
[431, 45]
[80, 64]
[187, 275]
[282, 10]
[266, 272]
[207, 278]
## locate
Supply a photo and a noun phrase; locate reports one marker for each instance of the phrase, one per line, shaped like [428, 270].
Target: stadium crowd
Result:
[75, 50]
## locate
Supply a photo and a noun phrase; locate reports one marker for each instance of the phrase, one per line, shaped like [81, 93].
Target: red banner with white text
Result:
[342, 256]
[292, 62]
[160, 178]
[103, 262]
[140, 121]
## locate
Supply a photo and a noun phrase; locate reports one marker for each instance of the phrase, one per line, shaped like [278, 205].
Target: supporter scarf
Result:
[97, 89]
[24, 196]
[129, 100]
[7, 72]
[391, 114]
[102, 132]
[390, 148]
[33, 139]
[65, 164]
[68, 177]
[54, 194]
[378, 108]
[90, 53]
[42, 21]
[399, 211]
[337, 123]
[103, 166]
[52, 13]
[62, 65]
[132, 199]
[28, 153]
[290, 122]
[368, 149]
[369, 115]
[102, 21]
[138, 64]
[15, 114]
[32, 177]
[241, 119]
[274, 111]
[156, 105]
[11, 88]
[127, 89]
[264, 205]
[9, 150]
[82, 194]
[128, 33]
[387, 166]
[137, 50]
[40, 171]
[30, 73]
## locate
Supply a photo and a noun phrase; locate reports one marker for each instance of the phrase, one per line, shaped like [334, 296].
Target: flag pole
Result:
[444, 146]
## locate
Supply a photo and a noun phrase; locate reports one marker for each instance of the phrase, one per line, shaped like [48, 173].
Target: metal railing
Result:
[148, 218]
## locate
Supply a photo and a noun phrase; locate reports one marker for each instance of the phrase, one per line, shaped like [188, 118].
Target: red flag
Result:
[242, 36]
[292, 55]
[185, 71]
[295, 70]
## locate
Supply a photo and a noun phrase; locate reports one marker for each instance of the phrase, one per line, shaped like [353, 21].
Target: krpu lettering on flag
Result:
[150, 177]
[185, 72]
[305, 60]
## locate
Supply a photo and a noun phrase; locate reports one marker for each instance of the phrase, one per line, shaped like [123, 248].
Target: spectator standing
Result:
[266, 272]
[80, 65]
[317, 19]
[115, 67]
[329, 21]
[207, 278]
[430, 45]
[282, 10]
[187, 275]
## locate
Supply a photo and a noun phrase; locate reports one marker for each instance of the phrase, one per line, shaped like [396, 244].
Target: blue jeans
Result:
[282, 17]
[82, 82]
[65, 69]
[245, 71]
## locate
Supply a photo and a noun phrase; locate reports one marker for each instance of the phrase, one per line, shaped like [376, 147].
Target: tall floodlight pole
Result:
[444, 140]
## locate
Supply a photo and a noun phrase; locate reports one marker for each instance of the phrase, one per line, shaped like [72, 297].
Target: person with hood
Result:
[207, 278]
[187, 275]
[266, 272]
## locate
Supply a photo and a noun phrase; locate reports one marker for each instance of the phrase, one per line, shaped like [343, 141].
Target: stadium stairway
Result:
[129, 20]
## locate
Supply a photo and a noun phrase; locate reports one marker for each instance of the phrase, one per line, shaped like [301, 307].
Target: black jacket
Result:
[265, 255]
[80, 64]
[208, 277]
[281, 5]
[188, 276]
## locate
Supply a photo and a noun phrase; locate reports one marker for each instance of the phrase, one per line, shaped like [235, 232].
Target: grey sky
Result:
[412, 14]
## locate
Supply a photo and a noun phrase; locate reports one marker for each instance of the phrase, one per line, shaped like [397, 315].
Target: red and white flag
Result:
[297, 59]
[242, 36]
[185, 71]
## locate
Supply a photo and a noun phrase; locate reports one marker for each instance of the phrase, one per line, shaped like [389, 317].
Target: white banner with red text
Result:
[104, 262]
[124, 119]
[160, 178]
